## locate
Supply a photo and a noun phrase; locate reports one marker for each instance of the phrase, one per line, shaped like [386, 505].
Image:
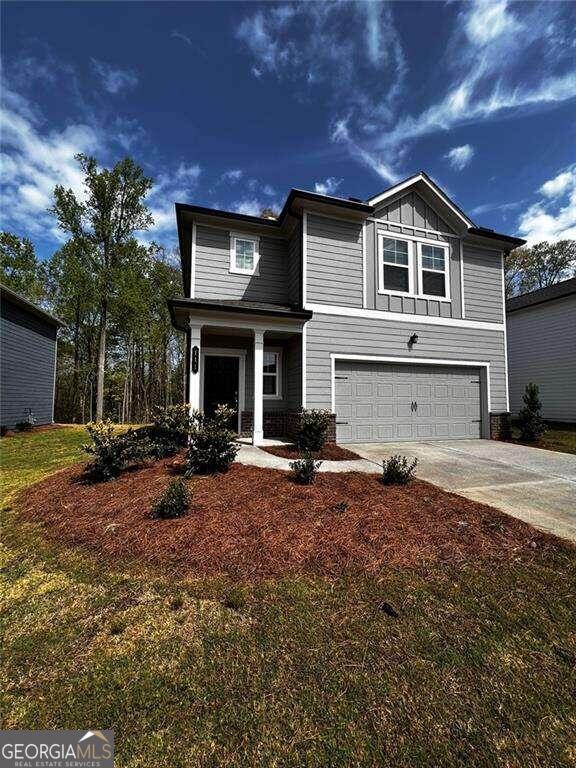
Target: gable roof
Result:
[15, 298]
[556, 291]
[425, 180]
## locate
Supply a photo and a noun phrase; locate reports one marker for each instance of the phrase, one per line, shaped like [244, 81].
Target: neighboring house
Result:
[387, 312]
[27, 361]
[542, 348]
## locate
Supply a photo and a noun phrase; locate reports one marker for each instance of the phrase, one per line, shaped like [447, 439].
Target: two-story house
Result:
[388, 312]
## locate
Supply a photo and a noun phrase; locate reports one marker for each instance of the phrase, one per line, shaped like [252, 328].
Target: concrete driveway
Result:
[529, 483]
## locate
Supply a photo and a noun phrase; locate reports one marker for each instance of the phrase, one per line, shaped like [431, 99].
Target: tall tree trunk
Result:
[101, 360]
[76, 373]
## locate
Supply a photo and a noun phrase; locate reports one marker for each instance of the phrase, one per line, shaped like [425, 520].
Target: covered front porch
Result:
[248, 356]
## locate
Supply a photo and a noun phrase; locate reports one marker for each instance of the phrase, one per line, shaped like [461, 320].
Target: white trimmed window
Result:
[272, 374]
[434, 276]
[395, 266]
[244, 254]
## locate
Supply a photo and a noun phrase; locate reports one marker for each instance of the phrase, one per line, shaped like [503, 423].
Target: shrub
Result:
[530, 420]
[167, 434]
[305, 469]
[112, 452]
[212, 447]
[24, 426]
[397, 470]
[313, 429]
[172, 503]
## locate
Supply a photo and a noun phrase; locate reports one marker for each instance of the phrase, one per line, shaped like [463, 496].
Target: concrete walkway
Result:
[532, 484]
[249, 454]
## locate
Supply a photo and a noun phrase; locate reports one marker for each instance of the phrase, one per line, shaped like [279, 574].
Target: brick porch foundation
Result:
[500, 426]
[281, 424]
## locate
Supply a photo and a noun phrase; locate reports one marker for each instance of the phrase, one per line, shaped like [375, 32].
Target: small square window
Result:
[244, 255]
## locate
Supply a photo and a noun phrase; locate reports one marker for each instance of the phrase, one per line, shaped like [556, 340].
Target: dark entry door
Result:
[221, 385]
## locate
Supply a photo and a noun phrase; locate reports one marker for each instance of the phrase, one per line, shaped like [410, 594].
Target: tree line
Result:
[118, 354]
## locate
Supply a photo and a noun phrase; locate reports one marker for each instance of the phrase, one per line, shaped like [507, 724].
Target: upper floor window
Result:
[244, 255]
[434, 282]
[395, 274]
[272, 373]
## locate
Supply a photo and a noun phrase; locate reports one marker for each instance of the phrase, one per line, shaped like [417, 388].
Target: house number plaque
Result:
[195, 358]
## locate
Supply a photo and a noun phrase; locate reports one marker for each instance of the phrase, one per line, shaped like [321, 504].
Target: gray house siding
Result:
[411, 210]
[294, 266]
[215, 281]
[28, 358]
[328, 334]
[542, 349]
[483, 298]
[334, 261]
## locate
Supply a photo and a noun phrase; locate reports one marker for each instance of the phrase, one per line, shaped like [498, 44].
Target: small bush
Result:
[112, 452]
[24, 426]
[397, 470]
[313, 430]
[172, 503]
[212, 447]
[305, 469]
[167, 434]
[530, 420]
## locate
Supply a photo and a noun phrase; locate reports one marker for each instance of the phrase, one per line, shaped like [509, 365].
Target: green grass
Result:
[558, 437]
[476, 670]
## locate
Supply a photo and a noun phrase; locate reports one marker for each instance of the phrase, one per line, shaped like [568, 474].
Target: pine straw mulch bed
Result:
[330, 452]
[256, 523]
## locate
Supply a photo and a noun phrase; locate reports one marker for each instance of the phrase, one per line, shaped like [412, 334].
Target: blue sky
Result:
[231, 104]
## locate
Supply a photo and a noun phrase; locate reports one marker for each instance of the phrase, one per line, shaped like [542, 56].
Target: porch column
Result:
[194, 372]
[258, 435]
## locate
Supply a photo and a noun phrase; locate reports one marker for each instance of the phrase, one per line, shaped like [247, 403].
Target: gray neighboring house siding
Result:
[542, 349]
[28, 346]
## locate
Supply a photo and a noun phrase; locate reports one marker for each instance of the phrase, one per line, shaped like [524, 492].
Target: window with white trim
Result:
[272, 374]
[395, 267]
[434, 281]
[244, 254]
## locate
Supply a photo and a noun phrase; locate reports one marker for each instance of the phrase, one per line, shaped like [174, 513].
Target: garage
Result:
[380, 402]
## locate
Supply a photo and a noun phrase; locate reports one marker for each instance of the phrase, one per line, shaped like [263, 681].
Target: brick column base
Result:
[500, 426]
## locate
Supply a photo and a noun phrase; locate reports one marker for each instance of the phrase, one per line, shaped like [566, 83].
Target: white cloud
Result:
[460, 157]
[177, 35]
[250, 206]
[114, 80]
[559, 184]
[553, 217]
[170, 187]
[231, 177]
[487, 20]
[256, 72]
[328, 186]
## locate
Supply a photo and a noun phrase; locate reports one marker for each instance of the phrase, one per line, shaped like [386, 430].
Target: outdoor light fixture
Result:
[413, 339]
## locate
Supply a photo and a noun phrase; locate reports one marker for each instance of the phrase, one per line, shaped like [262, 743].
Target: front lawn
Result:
[465, 658]
[559, 436]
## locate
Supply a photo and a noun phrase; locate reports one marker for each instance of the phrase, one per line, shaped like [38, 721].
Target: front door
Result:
[221, 385]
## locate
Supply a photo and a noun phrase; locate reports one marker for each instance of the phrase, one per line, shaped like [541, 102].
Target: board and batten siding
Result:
[542, 350]
[215, 281]
[483, 298]
[334, 261]
[412, 305]
[27, 369]
[326, 334]
[412, 211]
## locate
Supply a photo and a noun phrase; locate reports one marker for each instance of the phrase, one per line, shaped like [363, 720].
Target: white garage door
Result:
[378, 402]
